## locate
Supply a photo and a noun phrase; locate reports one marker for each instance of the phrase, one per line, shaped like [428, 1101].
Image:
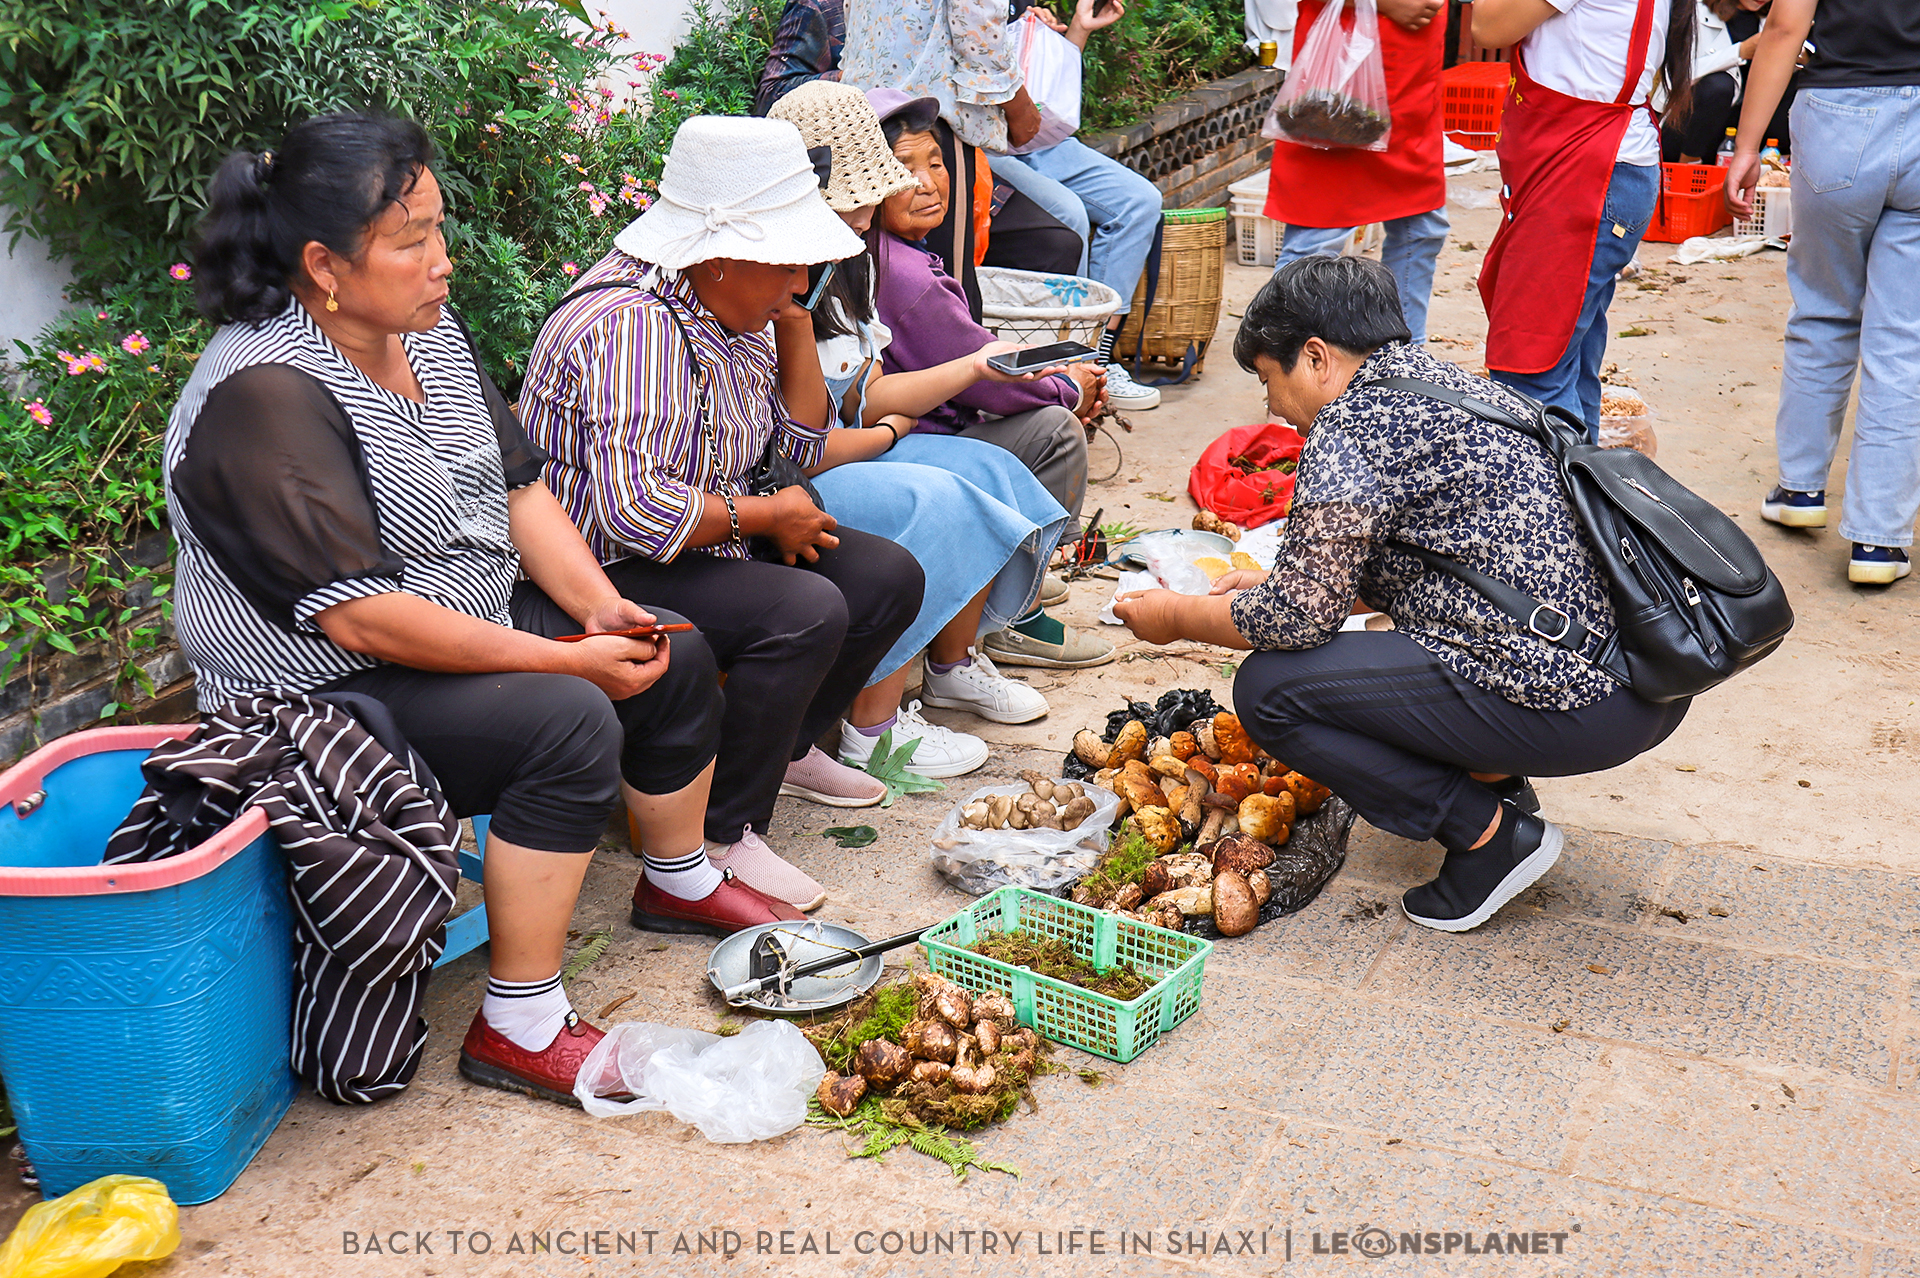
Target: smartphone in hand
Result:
[651, 631]
[1031, 359]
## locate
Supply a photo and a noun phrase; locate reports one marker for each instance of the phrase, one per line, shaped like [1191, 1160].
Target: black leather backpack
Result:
[1694, 601]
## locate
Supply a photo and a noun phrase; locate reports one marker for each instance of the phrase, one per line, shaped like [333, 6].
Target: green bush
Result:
[112, 117]
[1158, 51]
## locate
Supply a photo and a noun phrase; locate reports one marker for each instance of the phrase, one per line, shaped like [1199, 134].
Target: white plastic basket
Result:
[1772, 214]
[1028, 306]
[1257, 235]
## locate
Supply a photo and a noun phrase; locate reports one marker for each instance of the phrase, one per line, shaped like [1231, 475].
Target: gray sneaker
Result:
[1127, 395]
[1077, 650]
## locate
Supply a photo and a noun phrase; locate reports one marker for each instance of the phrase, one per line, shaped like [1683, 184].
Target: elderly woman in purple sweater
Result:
[1040, 422]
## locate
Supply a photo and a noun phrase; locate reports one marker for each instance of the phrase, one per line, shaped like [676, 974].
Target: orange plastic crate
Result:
[1472, 95]
[1693, 201]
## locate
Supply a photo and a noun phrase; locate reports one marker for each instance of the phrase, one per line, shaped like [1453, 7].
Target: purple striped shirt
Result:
[610, 397]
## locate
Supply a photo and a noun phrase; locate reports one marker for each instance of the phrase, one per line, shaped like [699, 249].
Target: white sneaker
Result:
[942, 752]
[980, 689]
[1127, 395]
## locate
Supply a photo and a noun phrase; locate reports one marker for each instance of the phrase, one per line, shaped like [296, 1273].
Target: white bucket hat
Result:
[838, 116]
[738, 187]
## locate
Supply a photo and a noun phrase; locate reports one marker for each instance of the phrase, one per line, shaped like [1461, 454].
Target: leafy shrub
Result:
[1158, 51]
[113, 115]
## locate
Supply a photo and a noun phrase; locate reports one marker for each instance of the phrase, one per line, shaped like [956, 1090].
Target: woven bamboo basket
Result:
[1186, 303]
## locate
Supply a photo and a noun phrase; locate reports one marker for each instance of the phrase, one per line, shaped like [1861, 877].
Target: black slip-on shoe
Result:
[1515, 790]
[1473, 885]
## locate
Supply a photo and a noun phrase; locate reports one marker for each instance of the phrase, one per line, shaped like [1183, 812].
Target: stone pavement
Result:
[1693, 1048]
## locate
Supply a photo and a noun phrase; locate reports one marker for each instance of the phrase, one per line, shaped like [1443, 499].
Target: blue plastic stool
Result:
[144, 1008]
[469, 931]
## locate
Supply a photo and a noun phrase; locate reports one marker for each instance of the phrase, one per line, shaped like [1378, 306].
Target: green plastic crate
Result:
[1065, 1013]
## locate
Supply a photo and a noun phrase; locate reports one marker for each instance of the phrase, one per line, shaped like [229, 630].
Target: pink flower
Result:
[569, 268]
[153, 368]
[101, 315]
[570, 159]
[93, 363]
[673, 93]
[38, 411]
[586, 186]
[493, 128]
[598, 203]
[76, 364]
[180, 271]
[135, 342]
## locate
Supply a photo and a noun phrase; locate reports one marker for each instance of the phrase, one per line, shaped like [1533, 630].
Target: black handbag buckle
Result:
[1533, 623]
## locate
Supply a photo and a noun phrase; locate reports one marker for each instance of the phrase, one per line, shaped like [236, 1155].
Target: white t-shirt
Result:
[1583, 54]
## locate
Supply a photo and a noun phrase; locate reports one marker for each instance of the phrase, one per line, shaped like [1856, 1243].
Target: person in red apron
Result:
[1580, 166]
[1320, 196]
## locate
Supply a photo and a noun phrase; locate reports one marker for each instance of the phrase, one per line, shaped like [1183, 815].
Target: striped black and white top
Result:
[296, 483]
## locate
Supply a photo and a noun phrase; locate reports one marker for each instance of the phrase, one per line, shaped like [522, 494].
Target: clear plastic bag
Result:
[751, 1086]
[1050, 69]
[1336, 93]
[93, 1230]
[978, 861]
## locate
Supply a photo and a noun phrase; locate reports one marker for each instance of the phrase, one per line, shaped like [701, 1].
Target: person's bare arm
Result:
[802, 385]
[1501, 24]
[556, 558]
[1772, 68]
[410, 631]
[1162, 616]
[1023, 118]
[853, 444]
[918, 392]
[1412, 15]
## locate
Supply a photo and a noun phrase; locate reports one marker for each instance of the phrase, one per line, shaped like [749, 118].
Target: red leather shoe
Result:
[491, 1059]
[729, 908]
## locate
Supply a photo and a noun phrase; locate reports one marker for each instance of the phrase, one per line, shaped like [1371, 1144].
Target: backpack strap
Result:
[1542, 619]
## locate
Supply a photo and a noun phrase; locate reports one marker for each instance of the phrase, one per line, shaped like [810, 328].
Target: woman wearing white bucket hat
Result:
[924, 486]
[655, 389]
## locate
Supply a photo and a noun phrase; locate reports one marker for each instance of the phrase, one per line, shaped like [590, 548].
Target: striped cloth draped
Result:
[373, 850]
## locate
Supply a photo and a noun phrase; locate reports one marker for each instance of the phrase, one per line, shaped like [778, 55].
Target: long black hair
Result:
[850, 291]
[329, 178]
[1676, 68]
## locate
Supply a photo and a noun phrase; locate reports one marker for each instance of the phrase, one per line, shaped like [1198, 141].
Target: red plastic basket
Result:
[1472, 95]
[1693, 201]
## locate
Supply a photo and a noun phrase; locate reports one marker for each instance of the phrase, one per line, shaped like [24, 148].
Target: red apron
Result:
[1346, 186]
[1556, 160]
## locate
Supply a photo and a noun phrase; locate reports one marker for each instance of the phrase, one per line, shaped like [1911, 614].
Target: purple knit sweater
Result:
[923, 305]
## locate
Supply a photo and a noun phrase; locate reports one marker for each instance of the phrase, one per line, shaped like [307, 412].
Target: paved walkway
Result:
[1698, 1057]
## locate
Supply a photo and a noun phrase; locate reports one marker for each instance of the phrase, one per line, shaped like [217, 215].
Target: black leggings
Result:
[1391, 730]
[545, 753]
[797, 644]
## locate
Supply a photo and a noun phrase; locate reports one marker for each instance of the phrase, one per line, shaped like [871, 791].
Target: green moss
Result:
[1054, 957]
[1123, 863]
[882, 1014]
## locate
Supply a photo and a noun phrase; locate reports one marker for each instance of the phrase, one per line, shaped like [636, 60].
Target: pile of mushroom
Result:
[1048, 804]
[963, 1040]
[1210, 786]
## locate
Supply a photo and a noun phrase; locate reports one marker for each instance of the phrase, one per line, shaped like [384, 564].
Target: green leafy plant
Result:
[1158, 51]
[851, 836]
[588, 954]
[888, 766]
[882, 1134]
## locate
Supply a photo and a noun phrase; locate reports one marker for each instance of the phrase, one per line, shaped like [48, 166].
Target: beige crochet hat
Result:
[838, 116]
[738, 187]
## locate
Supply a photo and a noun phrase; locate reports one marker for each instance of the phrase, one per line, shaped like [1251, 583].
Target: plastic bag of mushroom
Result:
[1042, 834]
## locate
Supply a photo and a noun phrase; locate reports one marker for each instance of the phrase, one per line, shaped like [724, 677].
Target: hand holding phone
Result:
[1033, 359]
[653, 630]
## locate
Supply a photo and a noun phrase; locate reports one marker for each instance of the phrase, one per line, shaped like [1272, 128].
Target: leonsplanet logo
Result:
[1374, 1242]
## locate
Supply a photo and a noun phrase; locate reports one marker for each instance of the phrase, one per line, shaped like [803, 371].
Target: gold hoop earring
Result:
[331, 304]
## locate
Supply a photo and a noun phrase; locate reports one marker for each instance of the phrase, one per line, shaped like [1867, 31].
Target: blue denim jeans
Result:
[1854, 269]
[1114, 209]
[1574, 383]
[1411, 251]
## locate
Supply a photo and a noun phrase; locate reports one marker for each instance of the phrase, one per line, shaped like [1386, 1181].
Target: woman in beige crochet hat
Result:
[654, 387]
[926, 488]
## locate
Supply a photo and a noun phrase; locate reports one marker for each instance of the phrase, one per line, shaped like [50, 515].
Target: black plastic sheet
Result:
[1174, 712]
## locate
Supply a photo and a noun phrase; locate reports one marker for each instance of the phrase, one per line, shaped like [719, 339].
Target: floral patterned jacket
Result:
[955, 51]
[1385, 465]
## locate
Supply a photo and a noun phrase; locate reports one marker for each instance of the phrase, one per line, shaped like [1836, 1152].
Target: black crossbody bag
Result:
[1694, 600]
[773, 472]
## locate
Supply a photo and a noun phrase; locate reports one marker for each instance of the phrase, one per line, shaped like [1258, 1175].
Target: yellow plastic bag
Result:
[94, 1230]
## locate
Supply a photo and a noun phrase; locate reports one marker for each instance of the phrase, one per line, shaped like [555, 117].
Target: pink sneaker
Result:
[819, 779]
[760, 867]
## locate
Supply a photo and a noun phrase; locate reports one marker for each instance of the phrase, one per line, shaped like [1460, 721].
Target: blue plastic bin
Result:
[144, 1009]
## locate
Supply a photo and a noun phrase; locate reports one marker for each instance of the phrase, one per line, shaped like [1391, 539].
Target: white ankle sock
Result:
[691, 877]
[528, 1014]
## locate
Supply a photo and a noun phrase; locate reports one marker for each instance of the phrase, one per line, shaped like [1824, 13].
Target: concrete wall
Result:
[30, 284]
